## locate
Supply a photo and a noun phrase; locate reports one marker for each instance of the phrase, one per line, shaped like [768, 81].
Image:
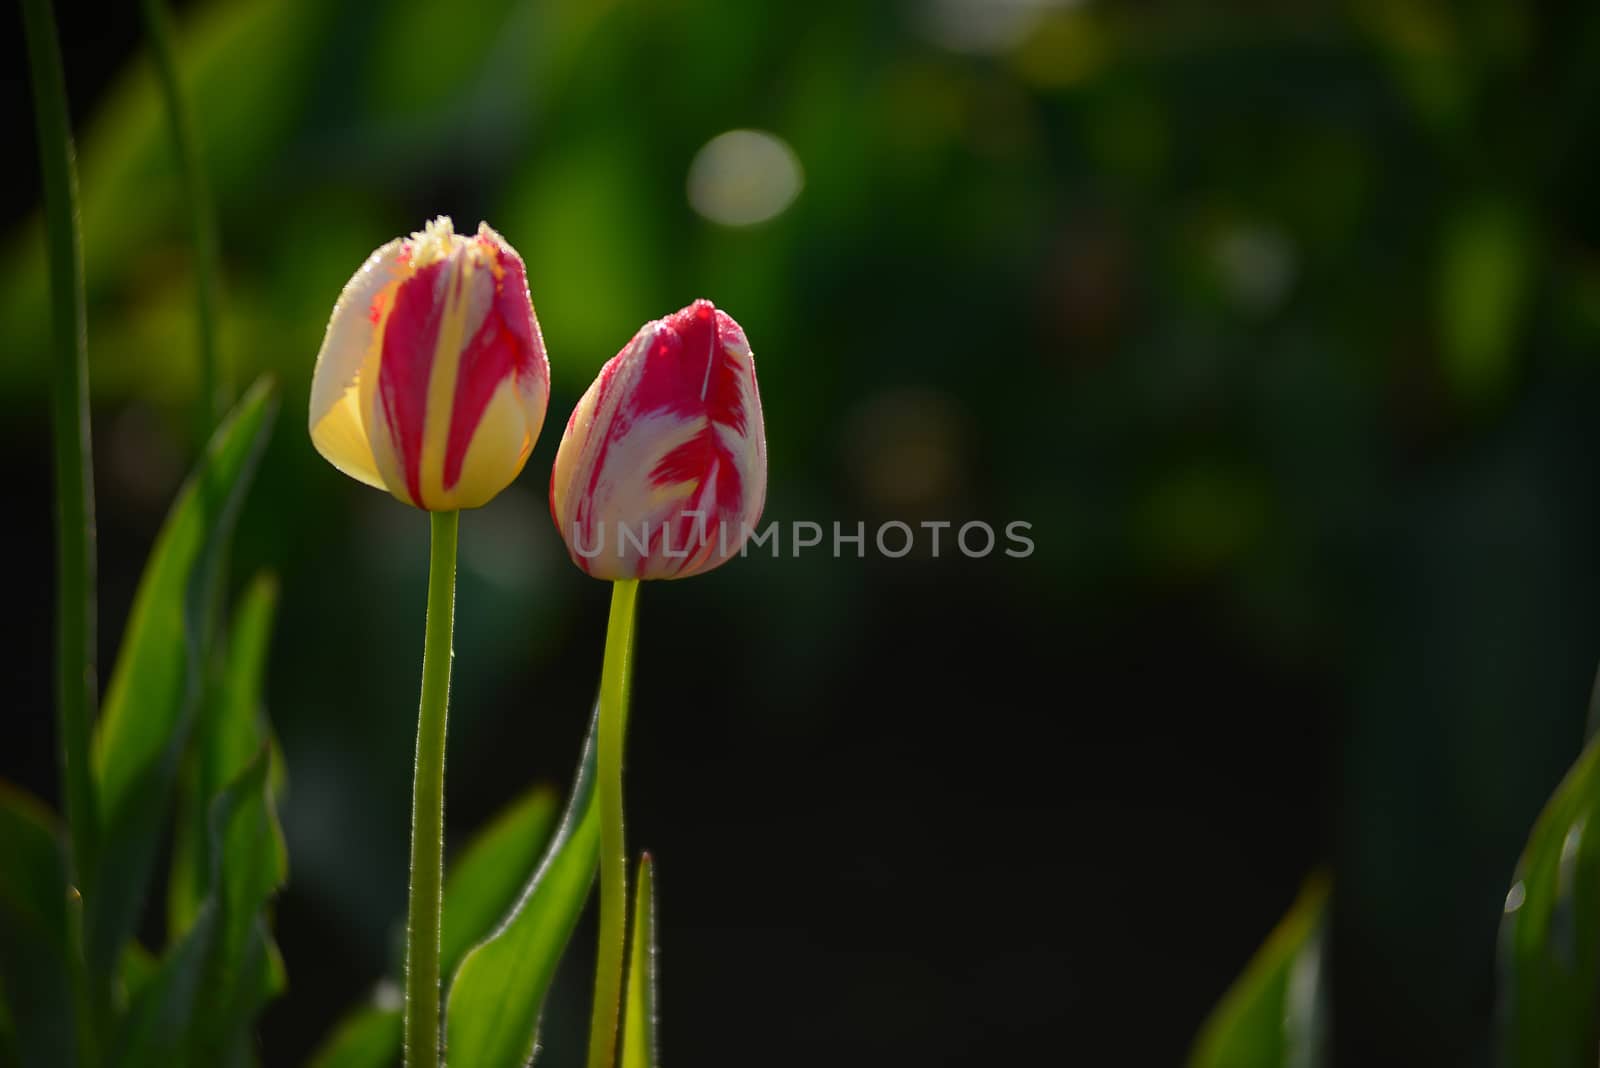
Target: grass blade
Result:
[74, 474]
[214, 392]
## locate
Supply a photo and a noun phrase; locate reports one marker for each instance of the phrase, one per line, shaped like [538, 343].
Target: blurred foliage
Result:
[36, 950]
[158, 686]
[79, 987]
[1276, 1015]
[1550, 936]
[1277, 322]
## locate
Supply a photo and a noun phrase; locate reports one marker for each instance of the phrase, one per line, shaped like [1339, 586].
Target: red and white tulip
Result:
[662, 471]
[432, 381]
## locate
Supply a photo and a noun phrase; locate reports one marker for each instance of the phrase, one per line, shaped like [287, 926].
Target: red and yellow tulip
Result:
[432, 381]
[662, 471]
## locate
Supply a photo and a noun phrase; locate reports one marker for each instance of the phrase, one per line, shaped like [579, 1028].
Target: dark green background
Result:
[1277, 321]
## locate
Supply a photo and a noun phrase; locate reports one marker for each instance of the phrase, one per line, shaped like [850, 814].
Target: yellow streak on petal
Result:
[452, 338]
[498, 450]
[342, 441]
[673, 491]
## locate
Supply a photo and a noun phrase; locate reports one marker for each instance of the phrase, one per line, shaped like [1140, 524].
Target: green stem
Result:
[614, 682]
[202, 220]
[427, 803]
[75, 602]
[74, 476]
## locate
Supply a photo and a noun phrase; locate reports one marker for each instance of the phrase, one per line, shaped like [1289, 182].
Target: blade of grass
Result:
[75, 583]
[214, 387]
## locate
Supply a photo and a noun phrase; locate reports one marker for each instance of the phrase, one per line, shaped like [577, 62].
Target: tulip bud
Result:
[662, 471]
[432, 381]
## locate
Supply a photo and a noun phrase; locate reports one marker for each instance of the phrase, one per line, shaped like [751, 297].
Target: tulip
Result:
[432, 381]
[666, 456]
[662, 471]
[432, 384]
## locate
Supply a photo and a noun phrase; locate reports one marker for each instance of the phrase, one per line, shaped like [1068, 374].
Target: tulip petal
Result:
[433, 351]
[499, 447]
[505, 344]
[665, 455]
[348, 354]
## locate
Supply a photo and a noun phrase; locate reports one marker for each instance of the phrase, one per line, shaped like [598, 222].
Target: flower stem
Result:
[614, 683]
[202, 220]
[427, 803]
[74, 474]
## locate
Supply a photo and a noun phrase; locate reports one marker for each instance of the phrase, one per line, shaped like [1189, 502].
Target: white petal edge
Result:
[336, 425]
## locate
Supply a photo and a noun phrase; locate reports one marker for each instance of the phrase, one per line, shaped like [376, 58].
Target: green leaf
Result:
[138, 968]
[639, 1016]
[483, 885]
[157, 680]
[479, 889]
[36, 978]
[1275, 1014]
[492, 1018]
[370, 1038]
[1550, 933]
[197, 1009]
[230, 730]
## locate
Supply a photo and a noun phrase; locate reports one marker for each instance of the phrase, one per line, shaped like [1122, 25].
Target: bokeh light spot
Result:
[744, 177]
[984, 27]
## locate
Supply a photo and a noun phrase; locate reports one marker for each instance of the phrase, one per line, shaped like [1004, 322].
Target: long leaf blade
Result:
[639, 1017]
[208, 986]
[1550, 932]
[480, 888]
[486, 881]
[369, 1038]
[157, 679]
[498, 992]
[231, 729]
[35, 948]
[1274, 1015]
